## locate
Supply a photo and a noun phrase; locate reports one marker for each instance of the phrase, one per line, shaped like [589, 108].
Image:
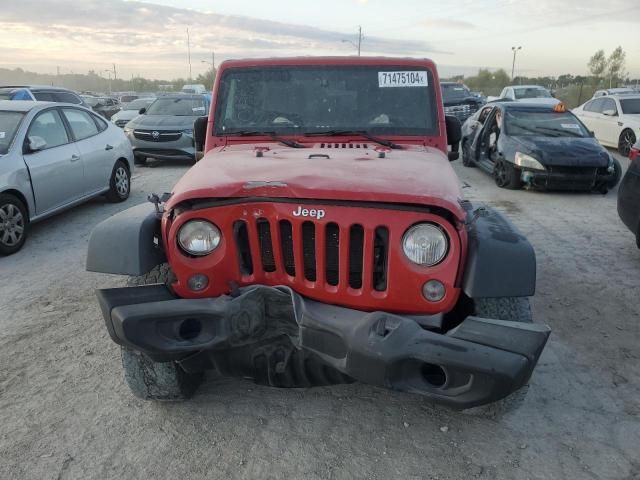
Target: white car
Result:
[527, 93]
[614, 120]
[614, 91]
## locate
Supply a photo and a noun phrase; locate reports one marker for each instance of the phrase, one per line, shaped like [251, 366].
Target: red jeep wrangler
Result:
[322, 239]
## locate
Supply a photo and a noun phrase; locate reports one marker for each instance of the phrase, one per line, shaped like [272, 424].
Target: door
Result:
[56, 171]
[96, 154]
[609, 123]
[592, 114]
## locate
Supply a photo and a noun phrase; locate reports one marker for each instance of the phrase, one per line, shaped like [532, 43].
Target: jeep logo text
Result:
[304, 212]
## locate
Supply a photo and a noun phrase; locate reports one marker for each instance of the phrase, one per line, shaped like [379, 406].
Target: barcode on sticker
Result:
[403, 79]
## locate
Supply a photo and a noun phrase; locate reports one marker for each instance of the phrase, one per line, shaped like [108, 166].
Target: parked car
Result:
[194, 89]
[164, 130]
[629, 194]
[43, 93]
[526, 93]
[459, 101]
[131, 110]
[614, 91]
[322, 239]
[52, 157]
[539, 146]
[614, 119]
[105, 106]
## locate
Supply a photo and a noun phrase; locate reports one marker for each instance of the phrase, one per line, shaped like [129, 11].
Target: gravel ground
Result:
[65, 412]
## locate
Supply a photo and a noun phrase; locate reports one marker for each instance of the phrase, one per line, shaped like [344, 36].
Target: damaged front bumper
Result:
[568, 178]
[262, 330]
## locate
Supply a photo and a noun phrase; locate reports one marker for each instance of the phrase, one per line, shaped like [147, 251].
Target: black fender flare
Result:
[128, 243]
[500, 260]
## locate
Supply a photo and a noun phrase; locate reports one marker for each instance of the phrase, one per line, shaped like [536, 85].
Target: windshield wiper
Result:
[362, 133]
[272, 135]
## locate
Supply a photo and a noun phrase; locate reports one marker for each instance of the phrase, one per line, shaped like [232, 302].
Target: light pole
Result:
[109, 72]
[513, 65]
[356, 45]
[189, 53]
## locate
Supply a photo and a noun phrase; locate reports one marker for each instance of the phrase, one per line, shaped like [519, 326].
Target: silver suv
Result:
[164, 130]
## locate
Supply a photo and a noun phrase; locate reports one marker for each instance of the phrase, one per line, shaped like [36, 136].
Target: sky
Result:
[149, 38]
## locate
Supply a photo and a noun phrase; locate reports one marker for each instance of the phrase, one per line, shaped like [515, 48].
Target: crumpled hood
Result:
[564, 151]
[163, 122]
[415, 175]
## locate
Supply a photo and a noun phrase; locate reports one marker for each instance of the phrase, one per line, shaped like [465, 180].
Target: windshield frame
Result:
[567, 114]
[15, 132]
[222, 88]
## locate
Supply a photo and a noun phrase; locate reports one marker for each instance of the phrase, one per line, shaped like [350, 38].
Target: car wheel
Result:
[139, 160]
[617, 175]
[626, 141]
[13, 224]
[466, 154]
[506, 175]
[120, 183]
[149, 380]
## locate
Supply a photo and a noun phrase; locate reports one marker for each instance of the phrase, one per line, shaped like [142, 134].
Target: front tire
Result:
[139, 160]
[617, 174]
[149, 380]
[626, 141]
[506, 175]
[119, 183]
[14, 222]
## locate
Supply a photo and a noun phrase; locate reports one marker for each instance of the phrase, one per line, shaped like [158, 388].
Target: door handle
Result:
[75, 158]
[108, 147]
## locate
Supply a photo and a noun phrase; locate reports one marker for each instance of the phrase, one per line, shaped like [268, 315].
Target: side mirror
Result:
[36, 143]
[591, 133]
[609, 113]
[142, 111]
[454, 135]
[200, 132]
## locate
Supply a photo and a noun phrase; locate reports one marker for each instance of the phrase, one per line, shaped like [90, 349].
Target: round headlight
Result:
[199, 237]
[425, 244]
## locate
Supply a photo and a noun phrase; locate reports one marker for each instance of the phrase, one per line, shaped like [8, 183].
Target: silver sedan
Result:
[54, 156]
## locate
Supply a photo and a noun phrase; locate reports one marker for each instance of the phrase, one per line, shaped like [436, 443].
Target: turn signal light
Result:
[560, 108]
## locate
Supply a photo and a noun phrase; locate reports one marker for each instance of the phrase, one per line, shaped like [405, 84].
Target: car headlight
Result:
[188, 132]
[127, 130]
[425, 244]
[199, 237]
[527, 161]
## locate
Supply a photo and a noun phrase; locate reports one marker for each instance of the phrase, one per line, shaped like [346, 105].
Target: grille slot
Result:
[344, 145]
[380, 258]
[309, 250]
[266, 245]
[332, 254]
[241, 235]
[356, 248]
[286, 239]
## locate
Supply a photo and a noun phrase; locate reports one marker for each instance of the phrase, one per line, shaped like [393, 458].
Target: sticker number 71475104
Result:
[403, 79]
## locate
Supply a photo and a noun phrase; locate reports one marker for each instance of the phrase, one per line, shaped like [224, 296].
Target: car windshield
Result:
[520, 123]
[138, 104]
[178, 106]
[630, 106]
[316, 99]
[9, 123]
[452, 93]
[521, 93]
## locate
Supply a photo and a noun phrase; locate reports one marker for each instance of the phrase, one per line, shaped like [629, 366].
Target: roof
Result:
[528, 86]
[525, 106]
[344, 61]
[21, 105]
[623, 96]
[37, 87]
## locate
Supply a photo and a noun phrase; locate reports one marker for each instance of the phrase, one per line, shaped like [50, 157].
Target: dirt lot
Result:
[66, 413]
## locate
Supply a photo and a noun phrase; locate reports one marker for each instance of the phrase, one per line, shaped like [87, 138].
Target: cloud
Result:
[447, 23]
[148, 36]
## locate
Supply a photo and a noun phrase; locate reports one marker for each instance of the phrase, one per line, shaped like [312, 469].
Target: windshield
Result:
[138, 104]
[91, 101]
[630, 106]
[308, 99]
[178, 106]
[9, 123]
[531, 93]
[452, 93]
[543, 124]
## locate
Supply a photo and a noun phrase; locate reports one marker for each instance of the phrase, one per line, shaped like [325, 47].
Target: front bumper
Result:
[181, 149]
[478, 362]
[568, 178]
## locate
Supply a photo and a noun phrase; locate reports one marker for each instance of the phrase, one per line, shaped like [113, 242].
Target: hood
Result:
[125, 115]
[564, 151]
[541, 101]
[415, 175]
[166, 122]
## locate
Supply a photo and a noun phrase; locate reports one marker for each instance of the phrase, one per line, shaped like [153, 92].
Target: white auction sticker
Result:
[403, 79]
[2, 134]
[570, 125]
